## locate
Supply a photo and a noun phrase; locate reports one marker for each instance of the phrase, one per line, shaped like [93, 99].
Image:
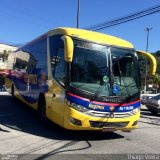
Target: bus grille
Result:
[108, 124]
[107, 114]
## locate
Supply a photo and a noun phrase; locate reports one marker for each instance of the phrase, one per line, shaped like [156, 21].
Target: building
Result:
[5, 49]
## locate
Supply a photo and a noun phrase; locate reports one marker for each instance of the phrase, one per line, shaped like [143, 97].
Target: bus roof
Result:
[92, 36]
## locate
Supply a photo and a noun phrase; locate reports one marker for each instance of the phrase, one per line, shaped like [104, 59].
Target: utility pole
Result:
[78, 13]
[146, 62]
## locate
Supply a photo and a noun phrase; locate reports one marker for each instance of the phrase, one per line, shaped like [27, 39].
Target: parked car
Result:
[145, 97]
[153, 104]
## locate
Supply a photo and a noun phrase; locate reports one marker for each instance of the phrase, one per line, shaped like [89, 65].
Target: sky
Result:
[23, 20]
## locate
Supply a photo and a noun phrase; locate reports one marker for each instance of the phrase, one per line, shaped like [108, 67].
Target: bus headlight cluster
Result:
[135, 111]
[77, 107]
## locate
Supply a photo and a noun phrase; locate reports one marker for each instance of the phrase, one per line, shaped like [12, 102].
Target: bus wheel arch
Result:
[42, 107]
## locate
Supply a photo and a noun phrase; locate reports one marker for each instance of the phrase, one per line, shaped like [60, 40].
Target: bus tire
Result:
[13, 93]
[153, 112]
[42, 110]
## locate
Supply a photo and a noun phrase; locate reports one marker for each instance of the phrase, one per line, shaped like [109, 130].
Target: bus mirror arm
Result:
[152, 60]
[68, 48]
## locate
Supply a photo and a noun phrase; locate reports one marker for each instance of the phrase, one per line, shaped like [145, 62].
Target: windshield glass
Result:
[104, 71]
[90, 64]
[125, 72]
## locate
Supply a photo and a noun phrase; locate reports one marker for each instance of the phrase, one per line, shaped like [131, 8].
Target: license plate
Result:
[108, 129]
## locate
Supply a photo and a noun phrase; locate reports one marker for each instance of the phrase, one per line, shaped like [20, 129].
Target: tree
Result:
[157, 56]
[156, 81]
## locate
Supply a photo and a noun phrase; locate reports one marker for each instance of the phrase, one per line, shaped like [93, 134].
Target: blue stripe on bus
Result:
[97, 106]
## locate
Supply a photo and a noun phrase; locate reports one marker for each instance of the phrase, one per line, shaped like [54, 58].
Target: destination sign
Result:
[113, 99]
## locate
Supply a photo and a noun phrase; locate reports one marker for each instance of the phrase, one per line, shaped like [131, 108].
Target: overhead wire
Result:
[27, 16]
[120, 20]
[24, 19]
[27, 19]
[124, 19]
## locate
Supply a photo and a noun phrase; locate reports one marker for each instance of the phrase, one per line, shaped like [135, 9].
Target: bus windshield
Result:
[90, 64]
[125, 70]
[104, 71]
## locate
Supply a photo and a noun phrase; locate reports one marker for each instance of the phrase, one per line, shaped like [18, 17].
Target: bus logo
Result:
[111, 115]
[111, 108]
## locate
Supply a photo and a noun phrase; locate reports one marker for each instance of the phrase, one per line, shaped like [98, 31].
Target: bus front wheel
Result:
[12, 93]
[42, 110]
[154, 112]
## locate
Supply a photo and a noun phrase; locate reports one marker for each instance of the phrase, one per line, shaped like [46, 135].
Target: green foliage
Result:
[142, 63]
[156, 79]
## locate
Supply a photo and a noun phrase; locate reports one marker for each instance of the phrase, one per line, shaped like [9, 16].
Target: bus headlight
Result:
[135, 111]
[77, 107]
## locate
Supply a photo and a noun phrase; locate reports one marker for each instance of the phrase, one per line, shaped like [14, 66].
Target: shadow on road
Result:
[18, 116]
[3, 130]
[146, 112]
[149, 118]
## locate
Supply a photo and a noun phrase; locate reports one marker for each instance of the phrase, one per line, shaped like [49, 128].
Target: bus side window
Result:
[60, 67]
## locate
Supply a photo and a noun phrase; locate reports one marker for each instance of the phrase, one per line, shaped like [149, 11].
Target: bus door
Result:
[59, 74]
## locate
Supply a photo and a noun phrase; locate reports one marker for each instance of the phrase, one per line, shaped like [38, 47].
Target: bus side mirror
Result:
[68, 48]
[152, 60]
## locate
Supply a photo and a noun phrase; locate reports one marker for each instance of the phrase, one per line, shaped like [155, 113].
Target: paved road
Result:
[22, 133]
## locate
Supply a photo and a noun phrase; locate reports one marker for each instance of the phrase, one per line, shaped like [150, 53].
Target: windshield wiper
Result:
[98, 91]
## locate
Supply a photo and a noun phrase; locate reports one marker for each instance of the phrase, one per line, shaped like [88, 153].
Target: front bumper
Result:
[75, 120]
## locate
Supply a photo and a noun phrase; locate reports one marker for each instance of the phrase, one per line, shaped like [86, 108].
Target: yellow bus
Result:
[79, 79]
